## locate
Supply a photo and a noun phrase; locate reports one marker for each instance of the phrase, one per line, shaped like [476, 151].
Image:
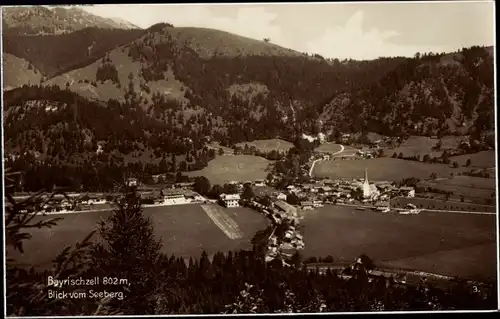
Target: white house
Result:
[131, 182]
[230, 200]
[174, 199]
[408, 191]
[259, 183]
[281, 196]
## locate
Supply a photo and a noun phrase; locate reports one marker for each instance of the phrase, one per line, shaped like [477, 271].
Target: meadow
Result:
[484, 159]
[466, 186]
[241, 168]
[407, 241]
[441, 204]
[269, 145]
[389, 169]
[422, 145]
[185, 230]
[328, 147]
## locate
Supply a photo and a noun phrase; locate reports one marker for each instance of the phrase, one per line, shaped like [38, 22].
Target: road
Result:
[315, 161]
[424, 210]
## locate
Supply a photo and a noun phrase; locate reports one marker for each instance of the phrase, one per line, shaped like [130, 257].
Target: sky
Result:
[334, 30]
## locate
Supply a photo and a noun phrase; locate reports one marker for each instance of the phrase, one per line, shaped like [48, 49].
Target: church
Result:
[369, 190]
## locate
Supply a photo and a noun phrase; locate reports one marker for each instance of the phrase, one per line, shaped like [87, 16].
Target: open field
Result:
[430, 203]
[468, 181]
[391, 239]
[421, 145]
[456, 262]
[467, 186]
[484, 159]
[185, 230]
[269, 145]
[332, 148]
[328, 148]
[224, 169]
[389, 169]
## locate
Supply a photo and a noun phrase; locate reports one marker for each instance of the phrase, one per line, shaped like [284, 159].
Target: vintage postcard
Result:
[249, 158]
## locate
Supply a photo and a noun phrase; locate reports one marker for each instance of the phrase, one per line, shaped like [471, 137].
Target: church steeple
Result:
[366, 186]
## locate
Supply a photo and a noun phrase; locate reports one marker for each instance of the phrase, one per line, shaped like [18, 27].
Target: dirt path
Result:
[223, 221]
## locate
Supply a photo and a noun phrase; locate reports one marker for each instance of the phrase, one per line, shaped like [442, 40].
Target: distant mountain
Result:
[40, 20]
[165, 86]
[428, 95]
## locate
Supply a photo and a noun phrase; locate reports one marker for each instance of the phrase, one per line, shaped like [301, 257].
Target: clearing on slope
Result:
[18, 72]
[422, 145]
[210, 42]
[268, 145]
[55, 54]
[84, 81]
[242, 168]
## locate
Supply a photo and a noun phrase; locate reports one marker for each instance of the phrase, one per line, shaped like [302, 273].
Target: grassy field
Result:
[467, 186]
[16, 72]
[390, 169]
[415, 241]
[242, 168]
[421, 145]
[328, 147]
[269, 145]
[124, 66]
[484, 159]
[430, 203]
[185, 230]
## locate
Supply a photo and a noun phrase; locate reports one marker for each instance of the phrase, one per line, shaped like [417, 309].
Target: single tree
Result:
[248, 193]
[129, 251]
[201, 185]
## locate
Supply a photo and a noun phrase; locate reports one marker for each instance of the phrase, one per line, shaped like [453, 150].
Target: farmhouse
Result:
[306, 205]
[328, 181]
[382, 206]
[132, 182]
[407, 191]
[259, 183]
[285, 207]
[184, 185]
[281, 196]
[174, 199]
[230, 200]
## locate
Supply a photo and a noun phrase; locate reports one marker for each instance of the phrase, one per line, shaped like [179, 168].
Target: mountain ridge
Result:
[40, 20]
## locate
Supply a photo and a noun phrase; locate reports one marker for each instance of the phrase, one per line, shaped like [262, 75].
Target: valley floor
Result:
[437, 242]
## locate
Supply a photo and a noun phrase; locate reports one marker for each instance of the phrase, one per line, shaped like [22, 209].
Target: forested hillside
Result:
[222, 85]
[428, 95]
[56, 54]
[146, 101]
[60, 138]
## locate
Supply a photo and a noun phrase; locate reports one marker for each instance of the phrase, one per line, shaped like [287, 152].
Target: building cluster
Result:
[317, 193]
[281, 213]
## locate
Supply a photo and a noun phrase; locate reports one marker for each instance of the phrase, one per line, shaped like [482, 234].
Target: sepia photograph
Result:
[236, 158]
